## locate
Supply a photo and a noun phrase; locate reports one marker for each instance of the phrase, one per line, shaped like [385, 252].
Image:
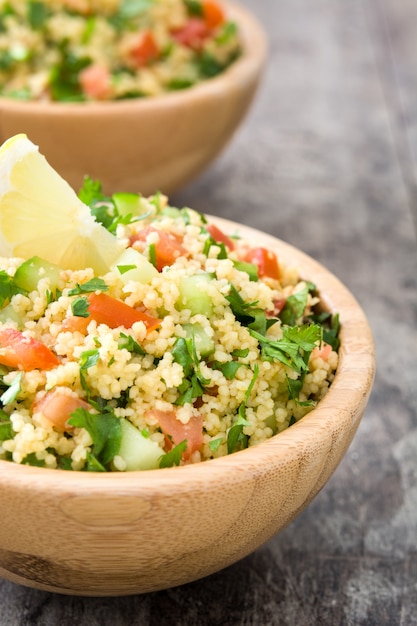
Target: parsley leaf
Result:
[236, 439]
[128, 343]
[173, 457]
[95, 284]
[228, 369]
[247, 313]
[79, 307]
[6, 431]
[215, 444]
[7, 288]
[294, 348]
[184, 352]
[104, 430]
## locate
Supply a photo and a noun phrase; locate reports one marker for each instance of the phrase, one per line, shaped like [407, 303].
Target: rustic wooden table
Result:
[324, 161]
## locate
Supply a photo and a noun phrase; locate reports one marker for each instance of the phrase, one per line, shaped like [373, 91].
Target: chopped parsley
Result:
[194, 383]
[173, 457]
[105, 432]
[95, 284]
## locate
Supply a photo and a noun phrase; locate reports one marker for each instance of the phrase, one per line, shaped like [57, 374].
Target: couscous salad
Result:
[83, 50]
[191, 343]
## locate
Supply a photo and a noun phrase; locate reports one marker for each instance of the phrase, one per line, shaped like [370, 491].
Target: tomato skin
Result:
[174, 430]
[192, 34]
[168, 247]
[107, 310]
[219, 236]
[25, 353]
[144, 50]
[57, 406]
[213, 14]
[265, 260]
[96, 82]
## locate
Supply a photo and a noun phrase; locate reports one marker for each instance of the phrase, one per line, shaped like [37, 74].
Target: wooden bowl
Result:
[128, 533]
[145, 144]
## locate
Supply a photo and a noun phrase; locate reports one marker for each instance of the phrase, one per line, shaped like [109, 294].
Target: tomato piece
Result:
[265, 260]
[167, 249]
[213, 14]
[76, 324]
[57, 407]
[175, 431]
[107, 310]
[95, 82]
[192, 34]
[219, 236]
[144, 50]
[322, 351]
[25, 353]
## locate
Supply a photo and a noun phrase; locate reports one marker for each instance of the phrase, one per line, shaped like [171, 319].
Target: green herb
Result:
[37, 14]
[152, 254]
[126, 268]
[32, 459]
[79, 307]
[295, 305]
[228, 369]
[7, 288]
[194, 7]
[331, 328]
[193, 384]
[250, 268]
[236, 439]
[64, 463]
[133, 8]
[248, 314]
[128, 343]
[63, 79]
[294, 348]
[6, 431]
[228, 31]
[105, 432]
[89, 358]
[210, 242]
[173, 457]
[240, 353]
[12, 392]
[215, 444]
[95, 284]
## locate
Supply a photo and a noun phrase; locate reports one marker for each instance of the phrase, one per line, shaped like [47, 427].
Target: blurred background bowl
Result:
[145, 144]
[126, 533]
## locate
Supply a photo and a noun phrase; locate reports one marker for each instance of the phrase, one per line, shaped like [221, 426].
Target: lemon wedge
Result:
[40, 214]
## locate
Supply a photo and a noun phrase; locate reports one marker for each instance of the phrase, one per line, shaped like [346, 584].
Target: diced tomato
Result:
[25, 353]
[167, 249]
[266, 261]
[192, 34]
[213, 14]
[322, 351]
[57, 407]
[219, 236]
[175, 431]
[107, 310]
[96, 82]
[279, 304]
[76, 324]
[144, 49]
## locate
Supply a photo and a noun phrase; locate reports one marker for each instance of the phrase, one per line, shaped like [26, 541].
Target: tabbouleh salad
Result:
[81, 50]
[194, 345]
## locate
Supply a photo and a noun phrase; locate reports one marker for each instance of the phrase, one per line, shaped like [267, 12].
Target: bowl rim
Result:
[250, 62]
[342, 406]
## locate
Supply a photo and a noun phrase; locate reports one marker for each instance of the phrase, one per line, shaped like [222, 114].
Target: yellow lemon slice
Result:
[40, 214]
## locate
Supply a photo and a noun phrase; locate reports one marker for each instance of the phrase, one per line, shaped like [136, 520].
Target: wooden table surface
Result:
[327, 161]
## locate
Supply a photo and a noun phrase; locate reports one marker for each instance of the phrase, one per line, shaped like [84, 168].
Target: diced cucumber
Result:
[132, 265]
[171, 211]
[130, 204]
[8, 314]
[203, 343]
[29, 273]
[194, 296]
[137, 451]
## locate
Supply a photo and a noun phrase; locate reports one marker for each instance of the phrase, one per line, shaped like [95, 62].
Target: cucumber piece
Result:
[129, 204]
[29, 273]
[138, 452]
[8, 314]
[194, 296]
[132, 265]
[203, 343]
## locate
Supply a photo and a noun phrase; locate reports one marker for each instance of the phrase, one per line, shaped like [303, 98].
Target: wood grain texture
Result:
[121, 525]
